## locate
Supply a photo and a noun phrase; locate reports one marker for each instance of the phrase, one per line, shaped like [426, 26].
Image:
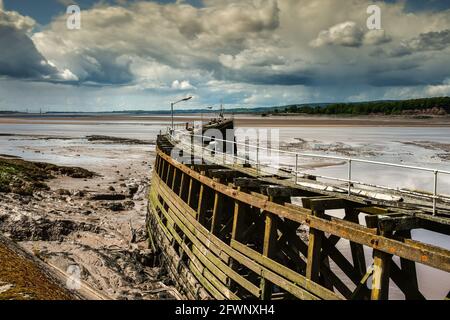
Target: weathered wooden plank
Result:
[314, 248]
[182, 223]
[269, 248]
[249, 183]
[201, 208]
[238, 221]
[200, 233]
[390, 224]
[357, 250]
[223, 174]
[190, 192]
[290, 275]
[380, 278]
[197, 257]
[279, 191]
[299, 292]
[174, 178]
[217, 212]
[174, 260]
[328, 204]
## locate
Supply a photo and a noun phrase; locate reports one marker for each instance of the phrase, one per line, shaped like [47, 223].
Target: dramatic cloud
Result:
[114, 39]
[439, 90]
[349, 34]
[19, 57]
[246, 52]
[430, 41]
[346, 34]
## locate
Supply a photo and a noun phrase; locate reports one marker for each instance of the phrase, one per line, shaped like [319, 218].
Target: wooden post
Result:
[174, 178]
[380, 278]
[202, 204]
[162, 169]
[191, 184]
[269, 247]
[170, 170]
[182, 187]
[314, 248]
[357, 250]
[156, 165]
[409, 269]
[238, 226]
[217, 210]
[381, 268]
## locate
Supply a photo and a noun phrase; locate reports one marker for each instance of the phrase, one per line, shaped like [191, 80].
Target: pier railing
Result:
[221, 156]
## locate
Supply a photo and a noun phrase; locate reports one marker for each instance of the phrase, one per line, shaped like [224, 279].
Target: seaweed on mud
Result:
[28, 229]
[24, 279]
[25, 177]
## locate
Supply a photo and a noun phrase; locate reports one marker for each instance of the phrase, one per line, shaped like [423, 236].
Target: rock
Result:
[111, 188]
[108, 196]
[132, 189]
[114, 206]
[63, 192]
[129, 204]
[80, 194]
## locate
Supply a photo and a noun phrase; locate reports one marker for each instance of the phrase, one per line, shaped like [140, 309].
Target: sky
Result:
[134, 54]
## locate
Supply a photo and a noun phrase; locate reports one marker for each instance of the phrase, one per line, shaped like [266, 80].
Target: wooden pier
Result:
[227, 232]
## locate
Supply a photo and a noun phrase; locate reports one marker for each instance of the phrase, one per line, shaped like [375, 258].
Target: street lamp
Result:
[174, 103]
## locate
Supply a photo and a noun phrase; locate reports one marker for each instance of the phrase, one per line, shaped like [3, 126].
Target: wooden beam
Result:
[380, 278]
[357, 250]
[218, 207]
[249, 183]
[269, 249]
[223, 174]
[314, 248]
[276, 191]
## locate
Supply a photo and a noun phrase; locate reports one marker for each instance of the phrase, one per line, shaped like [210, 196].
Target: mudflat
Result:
[241, 120]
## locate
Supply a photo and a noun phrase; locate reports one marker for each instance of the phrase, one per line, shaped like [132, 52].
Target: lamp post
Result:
[174, 103]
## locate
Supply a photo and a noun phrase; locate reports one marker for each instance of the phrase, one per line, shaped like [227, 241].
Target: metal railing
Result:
[434, 196]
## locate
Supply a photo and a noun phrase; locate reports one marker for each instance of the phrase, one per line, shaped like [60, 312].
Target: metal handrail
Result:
[434, 197]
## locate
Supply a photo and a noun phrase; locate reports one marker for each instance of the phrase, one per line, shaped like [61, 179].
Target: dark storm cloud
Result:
[107, 68]
[427, 5]
[430, 41]
[19, 58]
[287, 79]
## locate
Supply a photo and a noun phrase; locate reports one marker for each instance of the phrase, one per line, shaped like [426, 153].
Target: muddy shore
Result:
[91, 217]
[241, 120]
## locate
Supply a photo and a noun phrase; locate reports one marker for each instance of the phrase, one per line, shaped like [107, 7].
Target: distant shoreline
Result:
[241, 120]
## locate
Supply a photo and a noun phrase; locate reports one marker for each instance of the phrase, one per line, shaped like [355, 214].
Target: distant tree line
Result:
[439, 105]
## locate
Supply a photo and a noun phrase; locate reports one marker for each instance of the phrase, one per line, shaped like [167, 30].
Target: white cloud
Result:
[376, 37]
[439, 90]
[349, 34]
[346, 34]
[182, 85]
